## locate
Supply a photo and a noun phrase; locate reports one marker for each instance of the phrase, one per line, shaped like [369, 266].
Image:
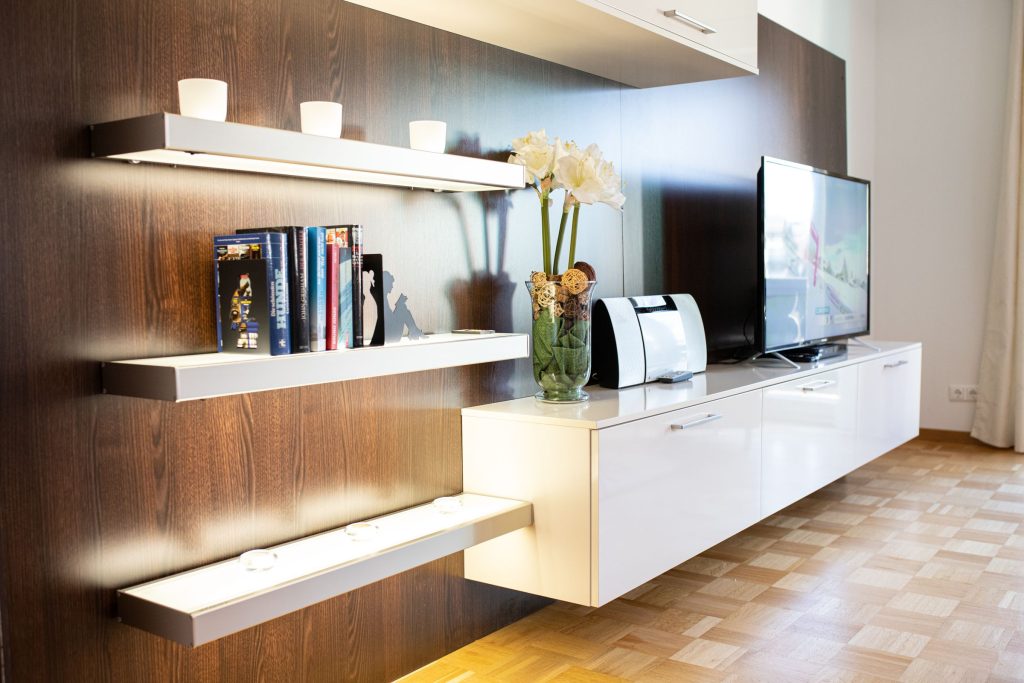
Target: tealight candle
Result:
[321, 118]
[258, 559]
[361, 531]
[447, 504]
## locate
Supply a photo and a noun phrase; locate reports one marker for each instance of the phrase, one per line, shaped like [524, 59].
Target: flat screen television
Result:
[815, 230]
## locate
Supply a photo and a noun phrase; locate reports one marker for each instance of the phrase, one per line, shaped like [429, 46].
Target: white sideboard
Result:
[638, 480]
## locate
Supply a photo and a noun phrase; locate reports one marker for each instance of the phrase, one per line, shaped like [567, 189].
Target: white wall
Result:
[925, 104]
[941, 81]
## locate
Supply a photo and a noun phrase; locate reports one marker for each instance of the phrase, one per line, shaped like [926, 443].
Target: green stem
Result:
[561, 236]
[572, 238]
[545, 231]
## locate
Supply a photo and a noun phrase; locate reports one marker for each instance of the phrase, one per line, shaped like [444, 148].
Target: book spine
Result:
[345, 338]
[216, 304]
[356, 233]
[277, 283]
[317, 250]
[332, 290]
[297, 290]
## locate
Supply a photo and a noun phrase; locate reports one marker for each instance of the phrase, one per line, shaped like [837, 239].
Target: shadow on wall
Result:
[483, 300]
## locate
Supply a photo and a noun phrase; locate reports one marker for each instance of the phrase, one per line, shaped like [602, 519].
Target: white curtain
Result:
[999, 416]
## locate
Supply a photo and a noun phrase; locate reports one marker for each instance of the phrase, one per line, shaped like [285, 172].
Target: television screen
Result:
[814, 255]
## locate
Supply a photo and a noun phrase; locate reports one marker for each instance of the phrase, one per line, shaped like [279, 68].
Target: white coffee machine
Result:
[647, 338]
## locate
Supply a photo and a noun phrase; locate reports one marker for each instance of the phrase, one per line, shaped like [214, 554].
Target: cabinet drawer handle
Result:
[897, 363]
[817, 384]
[699, 25]
[696, 422]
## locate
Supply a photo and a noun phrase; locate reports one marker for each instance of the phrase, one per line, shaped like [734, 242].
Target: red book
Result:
[333, 279]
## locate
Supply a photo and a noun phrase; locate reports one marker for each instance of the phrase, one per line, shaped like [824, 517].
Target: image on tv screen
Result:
[815, 256]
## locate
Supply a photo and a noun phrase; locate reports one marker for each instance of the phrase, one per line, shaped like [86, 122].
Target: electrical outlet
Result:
[963, 392]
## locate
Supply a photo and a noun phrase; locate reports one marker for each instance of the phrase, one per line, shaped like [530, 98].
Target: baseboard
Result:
[948, 436]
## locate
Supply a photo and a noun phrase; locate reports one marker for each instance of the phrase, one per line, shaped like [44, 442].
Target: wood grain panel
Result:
[698, 149]
[102, 260]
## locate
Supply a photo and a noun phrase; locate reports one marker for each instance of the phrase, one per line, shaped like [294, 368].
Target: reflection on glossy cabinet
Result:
[890, 404]
[810, 429]
[672, 486]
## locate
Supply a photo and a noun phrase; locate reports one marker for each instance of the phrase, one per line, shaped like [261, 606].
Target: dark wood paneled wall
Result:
[698, 150]
[101, 260]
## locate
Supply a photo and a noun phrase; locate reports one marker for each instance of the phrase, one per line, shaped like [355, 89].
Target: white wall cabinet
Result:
[890, 405]
[642, 43]
[638, 480]
[810, 436]
[699, 464]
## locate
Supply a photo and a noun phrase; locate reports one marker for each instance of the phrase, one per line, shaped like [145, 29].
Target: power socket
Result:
[965, 393]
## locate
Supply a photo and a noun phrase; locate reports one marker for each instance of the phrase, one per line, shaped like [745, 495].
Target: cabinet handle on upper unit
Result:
[699, 25]
[817, 384]
[897, 363]
[703, 419]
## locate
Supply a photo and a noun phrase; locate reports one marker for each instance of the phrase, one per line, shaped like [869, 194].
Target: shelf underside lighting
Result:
[174, 140]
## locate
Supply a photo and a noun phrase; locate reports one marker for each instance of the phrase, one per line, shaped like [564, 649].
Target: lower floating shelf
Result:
[204, 604]
[209, 375]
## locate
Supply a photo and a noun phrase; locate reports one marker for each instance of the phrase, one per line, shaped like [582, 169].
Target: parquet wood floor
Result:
[909, 569]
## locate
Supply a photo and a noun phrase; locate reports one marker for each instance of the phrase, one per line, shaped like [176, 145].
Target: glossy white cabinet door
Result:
[728, 27]
[890, 403]
[810, 436]
[666, 494]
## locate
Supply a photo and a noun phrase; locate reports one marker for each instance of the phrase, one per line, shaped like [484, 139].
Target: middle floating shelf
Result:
[209, 375]
[184, 141]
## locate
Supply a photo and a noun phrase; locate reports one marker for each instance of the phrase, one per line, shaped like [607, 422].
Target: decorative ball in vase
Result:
[561, 301]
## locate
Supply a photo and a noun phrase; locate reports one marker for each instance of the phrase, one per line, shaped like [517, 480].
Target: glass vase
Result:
[561, 339]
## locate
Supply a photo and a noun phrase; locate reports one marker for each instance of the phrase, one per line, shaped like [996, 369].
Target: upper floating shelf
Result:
[184, 141]
[208, 375]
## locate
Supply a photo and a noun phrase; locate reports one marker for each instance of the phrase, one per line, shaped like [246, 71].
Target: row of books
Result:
[290, 289]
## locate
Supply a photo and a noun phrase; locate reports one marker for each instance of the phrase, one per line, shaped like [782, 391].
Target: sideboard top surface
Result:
[609, 407]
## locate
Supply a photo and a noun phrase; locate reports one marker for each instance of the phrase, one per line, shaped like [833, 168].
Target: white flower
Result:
[535, 153]
[612, 193]
[579, 172]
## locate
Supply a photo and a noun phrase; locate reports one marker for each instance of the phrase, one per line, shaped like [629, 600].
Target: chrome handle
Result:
[897, 364]
[699, 25]
[818, 384]
[703, 419]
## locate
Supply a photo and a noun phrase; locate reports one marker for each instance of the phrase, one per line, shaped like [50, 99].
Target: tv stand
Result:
[856, 341]
[773, 355]
[814, 353]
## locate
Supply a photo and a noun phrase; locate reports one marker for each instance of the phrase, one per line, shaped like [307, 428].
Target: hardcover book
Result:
[343, 239]
[250, 276]
[298, 287]
[317, 258]
[333, 276]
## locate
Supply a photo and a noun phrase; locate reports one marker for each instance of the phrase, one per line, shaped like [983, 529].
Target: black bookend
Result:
[373, 299]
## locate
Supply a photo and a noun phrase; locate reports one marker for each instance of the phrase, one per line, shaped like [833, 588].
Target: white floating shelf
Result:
[204, 604]
[208, 375]
[184, 141]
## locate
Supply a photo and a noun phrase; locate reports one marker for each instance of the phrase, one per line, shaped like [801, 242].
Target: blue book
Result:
[251, 282]
[316, 243]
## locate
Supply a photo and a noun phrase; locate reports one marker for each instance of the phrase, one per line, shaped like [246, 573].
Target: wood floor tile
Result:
[709, 654]
[909, 569]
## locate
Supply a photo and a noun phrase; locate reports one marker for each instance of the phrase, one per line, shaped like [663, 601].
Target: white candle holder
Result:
[203, 98]
[428, 136]
[321, 118]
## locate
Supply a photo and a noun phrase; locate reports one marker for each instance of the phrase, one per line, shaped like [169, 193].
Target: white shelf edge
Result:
[176, 140]
[204, 604]
[211, 375]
